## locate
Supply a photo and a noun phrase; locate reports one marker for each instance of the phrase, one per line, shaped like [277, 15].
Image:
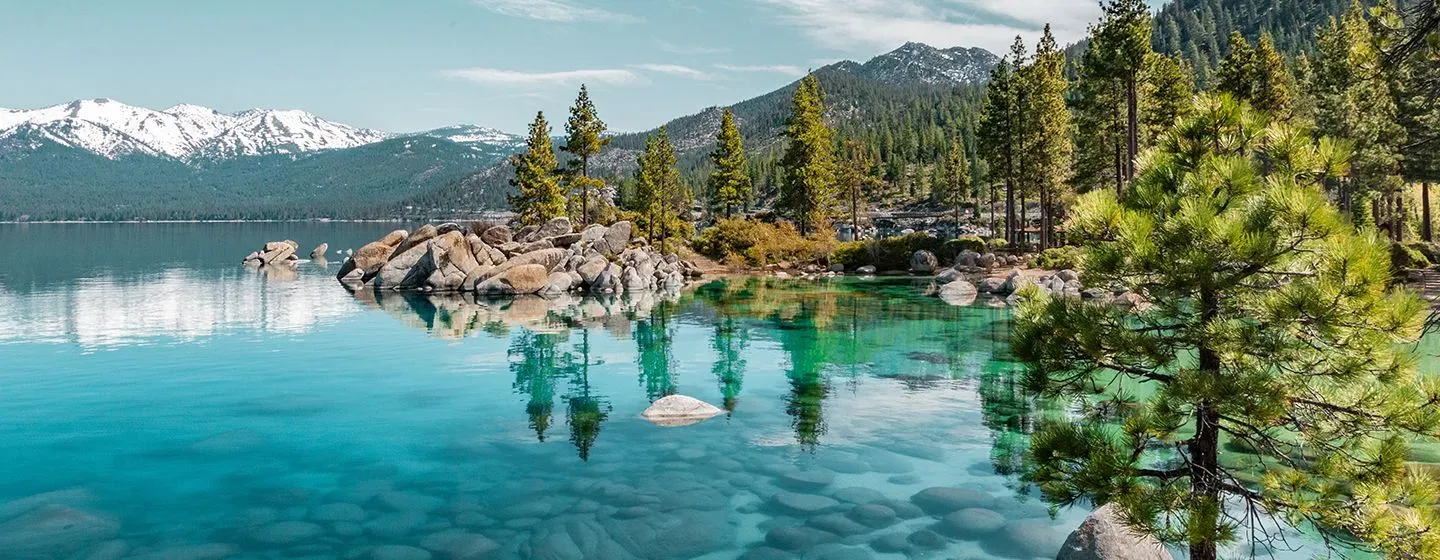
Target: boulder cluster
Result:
[549, 259]
[952, 285]
[282, 253]
[275, 253]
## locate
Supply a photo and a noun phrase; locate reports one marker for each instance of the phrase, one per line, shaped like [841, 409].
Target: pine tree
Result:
[538, 196]
[1259, 76]
[954, 183]
[856, 178]
[729, 184]
[660, 196]
[585, 138]
[807, 194]
[1354, 101]
[1101, 136]
[1048, 152]
[1123, 39]
[1169, 89]
[1001, 130]
[1270, 324]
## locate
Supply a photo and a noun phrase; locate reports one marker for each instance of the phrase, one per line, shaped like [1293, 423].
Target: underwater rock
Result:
[795, 502]
[926, 538]
[458, 545]
[941, 500]
[873, 515]
[338, 512]
[838, 524]
[1104, 536]
[212, 551]
[959, 293]
[858, 495]
[805, 481]
[891, 543]
[286, 532]
[797, 537]
[1027, 538]
[54, 530]
[679, 410]
[398, 552]
[971, 522]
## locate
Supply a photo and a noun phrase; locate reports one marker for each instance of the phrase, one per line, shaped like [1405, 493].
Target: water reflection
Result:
[829, 336]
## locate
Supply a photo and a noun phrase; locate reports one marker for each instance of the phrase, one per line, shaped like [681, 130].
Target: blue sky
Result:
[406, 65]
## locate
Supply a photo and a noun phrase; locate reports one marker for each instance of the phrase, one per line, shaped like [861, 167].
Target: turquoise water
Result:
[157, 400]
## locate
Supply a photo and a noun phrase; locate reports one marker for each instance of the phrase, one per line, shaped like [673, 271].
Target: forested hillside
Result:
[1199, 30]
[55, 182]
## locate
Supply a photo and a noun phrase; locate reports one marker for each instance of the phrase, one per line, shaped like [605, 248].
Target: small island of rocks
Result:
[495, 260]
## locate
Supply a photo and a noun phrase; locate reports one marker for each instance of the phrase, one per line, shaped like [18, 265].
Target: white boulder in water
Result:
[679, 410]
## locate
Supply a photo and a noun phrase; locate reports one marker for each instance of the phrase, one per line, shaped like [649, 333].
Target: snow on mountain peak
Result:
[186, 132]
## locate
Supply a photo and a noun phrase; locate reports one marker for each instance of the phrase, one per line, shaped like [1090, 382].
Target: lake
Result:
[158, 400]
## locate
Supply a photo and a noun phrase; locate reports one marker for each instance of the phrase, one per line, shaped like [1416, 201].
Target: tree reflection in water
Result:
[832, 334]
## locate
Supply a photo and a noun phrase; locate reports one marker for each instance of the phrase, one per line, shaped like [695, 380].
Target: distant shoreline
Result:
[309, 221]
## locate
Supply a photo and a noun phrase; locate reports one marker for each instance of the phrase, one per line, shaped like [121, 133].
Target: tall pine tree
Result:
[1049, 150]
[807, 195]
[585, 138]
[954, 184]
[730, 184]
[538, 197]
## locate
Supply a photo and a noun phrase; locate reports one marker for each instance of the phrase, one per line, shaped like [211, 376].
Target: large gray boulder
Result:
[551, 259]
[959, 292]
[554, 227]
[946, 276]
[406, 270]
[616, 238]
[455, 265]
[497, 236]
[527, 234]
[371, 257]
[518, 280]
[679, 410]
[923, 262]
[416, 239]
[591, 268]
[1104, 536]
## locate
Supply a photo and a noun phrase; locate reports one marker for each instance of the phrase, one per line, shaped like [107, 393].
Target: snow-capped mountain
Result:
[918, 62]
[476, 137]
[185, 132]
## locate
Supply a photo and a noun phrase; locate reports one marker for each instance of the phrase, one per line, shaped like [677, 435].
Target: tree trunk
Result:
[992, 213]
[1024, 221]
[1425, 232]
[1400, 216]
[1204, 447]
[584, 191]
[1010, 212]
[1133, 111]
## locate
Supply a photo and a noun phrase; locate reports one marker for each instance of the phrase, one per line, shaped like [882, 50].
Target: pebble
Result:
[803, 503]
[398, 552]
[286, 532]
[458, 545]
[873, 515]
[338, 512]
[858, 495]
[926, 538]
[940, 500]
[805, 480]
[797, 537]
[970, 523]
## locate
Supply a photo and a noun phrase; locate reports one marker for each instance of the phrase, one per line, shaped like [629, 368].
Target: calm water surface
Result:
[157, 400]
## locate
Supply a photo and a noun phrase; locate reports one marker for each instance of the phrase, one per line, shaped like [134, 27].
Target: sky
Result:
[411, 65]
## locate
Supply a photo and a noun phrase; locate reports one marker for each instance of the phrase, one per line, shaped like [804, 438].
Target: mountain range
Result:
[103, 159]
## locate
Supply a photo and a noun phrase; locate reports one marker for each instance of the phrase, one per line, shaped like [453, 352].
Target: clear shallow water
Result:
[157, 400]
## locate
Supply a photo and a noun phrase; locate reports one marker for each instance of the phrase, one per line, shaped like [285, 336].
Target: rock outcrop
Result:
[1104, 536]
[554, 258]
[275, 253]
[319, 252]
[679, 410]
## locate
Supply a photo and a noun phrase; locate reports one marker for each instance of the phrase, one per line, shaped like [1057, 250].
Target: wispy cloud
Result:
[673, 48]
[554, 10]
[785, 69]
[869, 25]
[674, 70]
[493, 76]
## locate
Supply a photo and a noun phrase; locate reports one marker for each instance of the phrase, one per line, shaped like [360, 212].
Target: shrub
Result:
[1430, 250]
[1407, 256]
[997, 244]
[891, 253]
[756, 243]
[966, 243]
[1058, 258]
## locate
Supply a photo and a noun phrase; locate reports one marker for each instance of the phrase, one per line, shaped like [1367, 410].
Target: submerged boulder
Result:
[1104, 536]
[679, 410]
[959, 292]
[319, 252]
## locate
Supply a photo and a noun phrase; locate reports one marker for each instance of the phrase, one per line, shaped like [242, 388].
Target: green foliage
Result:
[966, 243]
[538, 197]
[891, 253]
[757, 243]
[954, 188]
[857, 181]
[730, 184]
[1048, 154]
[1199, 30]
[1059, 258]
[1406, 256]
[1272, 321]
[807, 195]
[585, 137]
[661, 201]
[1258, 75]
